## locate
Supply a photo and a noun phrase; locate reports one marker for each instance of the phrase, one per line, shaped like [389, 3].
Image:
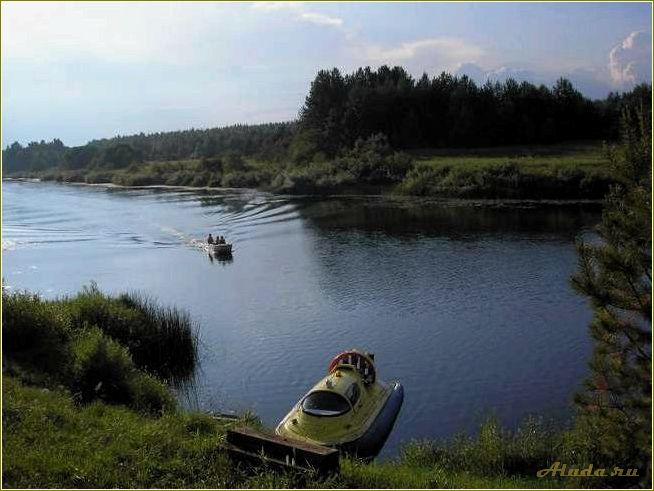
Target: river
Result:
[468, 304]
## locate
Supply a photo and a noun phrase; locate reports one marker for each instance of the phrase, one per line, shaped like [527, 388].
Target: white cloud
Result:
[321, 19]
[587, 80]
[270, 6]
[431, 54]
[300, 13]
[501, 74]
[630, 62]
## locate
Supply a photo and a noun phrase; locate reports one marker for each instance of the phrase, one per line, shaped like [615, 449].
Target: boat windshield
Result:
[325, 403]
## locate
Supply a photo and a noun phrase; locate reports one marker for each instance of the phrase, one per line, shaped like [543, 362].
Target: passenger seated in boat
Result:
[210, 239]
[222, 240]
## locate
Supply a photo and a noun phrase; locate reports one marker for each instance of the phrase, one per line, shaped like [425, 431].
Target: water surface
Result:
[467, 304]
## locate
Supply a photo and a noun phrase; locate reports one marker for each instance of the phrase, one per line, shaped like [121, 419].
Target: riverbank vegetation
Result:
[373, 131]
[615, 274]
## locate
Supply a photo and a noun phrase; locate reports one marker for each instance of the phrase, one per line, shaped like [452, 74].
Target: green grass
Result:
[100, 445]
[51, 442]
[538, 160]
[572, 171]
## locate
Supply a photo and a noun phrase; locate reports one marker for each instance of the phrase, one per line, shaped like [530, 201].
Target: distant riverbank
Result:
[570, 171]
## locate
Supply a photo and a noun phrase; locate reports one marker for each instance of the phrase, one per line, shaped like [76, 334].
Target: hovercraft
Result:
[349, 409]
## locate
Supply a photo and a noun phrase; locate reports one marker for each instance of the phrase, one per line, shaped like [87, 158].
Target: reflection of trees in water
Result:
[452, 220]
[229, 201]
[414, 254]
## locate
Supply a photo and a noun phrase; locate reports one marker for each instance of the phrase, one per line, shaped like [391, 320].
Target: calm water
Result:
[469, 306]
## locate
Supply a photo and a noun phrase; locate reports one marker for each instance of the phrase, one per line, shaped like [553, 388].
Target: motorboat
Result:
[349, 409]
[220, 249]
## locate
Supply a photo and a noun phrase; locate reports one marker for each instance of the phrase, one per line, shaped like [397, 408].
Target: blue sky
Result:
[79, 71]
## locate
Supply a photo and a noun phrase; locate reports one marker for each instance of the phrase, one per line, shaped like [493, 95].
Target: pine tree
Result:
[616, 275]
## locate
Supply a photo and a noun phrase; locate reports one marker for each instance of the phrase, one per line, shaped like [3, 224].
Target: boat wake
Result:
[186, 240]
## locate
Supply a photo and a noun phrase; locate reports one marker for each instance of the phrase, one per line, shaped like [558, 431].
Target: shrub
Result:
[373, 161]
[161, 341]
[165, 340]
[149, 395]
[246, 179]
[36, 335]
[103, 369]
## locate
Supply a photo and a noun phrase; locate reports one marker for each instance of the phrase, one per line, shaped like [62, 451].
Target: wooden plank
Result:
[250, 445]
[246, 434]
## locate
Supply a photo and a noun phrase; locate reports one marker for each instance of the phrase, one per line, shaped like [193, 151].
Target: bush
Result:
[103, 369]
[161, 341]
[149, 395]
[374, 162]
[246, 179]
[164, 342]
[99, 176]
[36, 335]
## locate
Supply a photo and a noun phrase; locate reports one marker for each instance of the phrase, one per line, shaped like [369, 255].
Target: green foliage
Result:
[36, 156]
[555, 172]
[373, 161]
[103, 369]
[214, 164]
[88, 344]
[446, 111]
[149, 395]
[36, 336]
[616, 276]
[161, 341]
[495, 451]
[165, 340]
[102, 446]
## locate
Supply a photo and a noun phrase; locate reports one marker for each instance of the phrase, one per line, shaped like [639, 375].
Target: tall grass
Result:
[36, 338]
[161, 340]
[552, 172]
[118, 350]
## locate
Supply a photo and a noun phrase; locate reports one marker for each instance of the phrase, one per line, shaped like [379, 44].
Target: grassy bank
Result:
[566, 171]
[88, 402]
[570, 171]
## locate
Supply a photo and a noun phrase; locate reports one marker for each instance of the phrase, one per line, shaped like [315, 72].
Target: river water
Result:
[468, 304]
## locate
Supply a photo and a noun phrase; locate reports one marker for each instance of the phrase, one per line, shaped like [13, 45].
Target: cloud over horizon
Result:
[630, 62]
[432, 54]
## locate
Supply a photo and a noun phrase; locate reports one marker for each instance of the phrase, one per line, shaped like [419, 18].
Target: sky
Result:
[83, 70]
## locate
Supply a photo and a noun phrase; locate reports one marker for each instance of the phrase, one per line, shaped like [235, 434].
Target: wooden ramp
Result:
[256, 447]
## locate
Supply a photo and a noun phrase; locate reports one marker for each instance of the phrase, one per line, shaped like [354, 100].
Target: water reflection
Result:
[452, 219]
[222, 259]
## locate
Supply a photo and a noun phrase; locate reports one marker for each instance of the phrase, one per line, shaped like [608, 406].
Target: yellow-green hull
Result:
[362, 430]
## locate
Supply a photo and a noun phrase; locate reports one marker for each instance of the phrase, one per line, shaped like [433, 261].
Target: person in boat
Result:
[222, 240]
[210, 239]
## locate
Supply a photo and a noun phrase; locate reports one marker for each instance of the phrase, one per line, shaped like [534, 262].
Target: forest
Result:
[366, 127]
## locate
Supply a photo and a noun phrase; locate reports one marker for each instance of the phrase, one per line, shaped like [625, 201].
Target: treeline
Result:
[449, 111]
[386, 104]
[264, 141]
